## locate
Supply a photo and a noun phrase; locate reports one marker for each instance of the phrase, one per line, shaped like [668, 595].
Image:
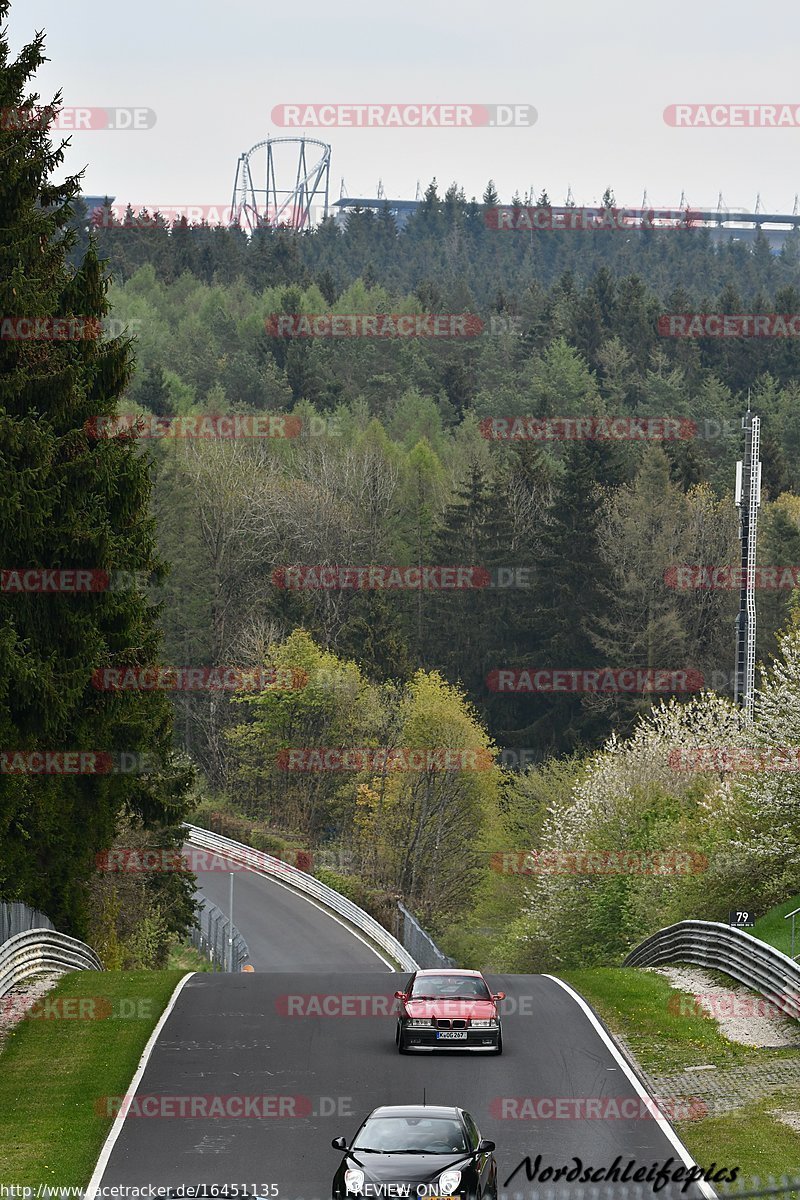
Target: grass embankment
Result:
[772, 927]
[636, 1005]
[186, 958]
[57, 1068]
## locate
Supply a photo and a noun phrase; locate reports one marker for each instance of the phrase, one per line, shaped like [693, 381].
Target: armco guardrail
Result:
[39, 950]
[713, 944]
[210, 936]
[420, 944]
[307, 885]
[16, 917]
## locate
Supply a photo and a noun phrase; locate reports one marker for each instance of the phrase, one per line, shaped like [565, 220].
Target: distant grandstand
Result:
[725, 224]
[401, 210]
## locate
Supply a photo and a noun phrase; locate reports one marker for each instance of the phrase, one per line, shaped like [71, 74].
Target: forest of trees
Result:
[393, 465]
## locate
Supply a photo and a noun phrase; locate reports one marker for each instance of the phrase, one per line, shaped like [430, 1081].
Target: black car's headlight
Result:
[448, 1182]
[353, 1182]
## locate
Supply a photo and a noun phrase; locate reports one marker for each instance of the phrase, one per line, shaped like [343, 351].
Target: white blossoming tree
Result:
[765, 815]
[650, 828]
[697, 812]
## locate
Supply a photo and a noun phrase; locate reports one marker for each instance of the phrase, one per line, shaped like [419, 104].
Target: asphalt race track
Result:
[282, 930]
[233, 1036]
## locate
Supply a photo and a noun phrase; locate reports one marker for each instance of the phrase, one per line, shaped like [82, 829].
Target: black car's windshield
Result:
[464, 987]
[411, 1135]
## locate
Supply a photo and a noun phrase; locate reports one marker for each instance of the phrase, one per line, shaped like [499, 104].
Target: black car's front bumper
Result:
[426, 1039]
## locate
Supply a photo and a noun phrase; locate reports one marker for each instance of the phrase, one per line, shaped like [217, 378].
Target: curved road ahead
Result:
[284, 931]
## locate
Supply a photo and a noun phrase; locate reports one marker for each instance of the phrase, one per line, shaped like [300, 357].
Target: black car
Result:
[401, 1147]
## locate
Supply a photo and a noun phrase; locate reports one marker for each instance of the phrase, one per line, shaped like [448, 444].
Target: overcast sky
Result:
[598, 74]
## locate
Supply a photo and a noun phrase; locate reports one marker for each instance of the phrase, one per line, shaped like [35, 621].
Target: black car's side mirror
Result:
[399, 996]
[339, 1143]
[485, 1146]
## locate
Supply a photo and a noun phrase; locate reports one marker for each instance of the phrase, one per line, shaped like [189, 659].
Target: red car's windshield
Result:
[451, 986]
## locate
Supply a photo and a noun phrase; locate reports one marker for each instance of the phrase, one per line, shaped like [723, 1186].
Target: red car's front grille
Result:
[457, 1023]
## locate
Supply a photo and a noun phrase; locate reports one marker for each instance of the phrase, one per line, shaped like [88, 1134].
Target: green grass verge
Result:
[54, 1072]
[636, 1005]
[186, 958]
[772, 927]
[749, 1138]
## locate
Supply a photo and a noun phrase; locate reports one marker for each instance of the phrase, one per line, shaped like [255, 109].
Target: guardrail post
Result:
[792, 914]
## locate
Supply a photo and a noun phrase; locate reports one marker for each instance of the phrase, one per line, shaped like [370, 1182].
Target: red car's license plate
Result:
[452, 1035]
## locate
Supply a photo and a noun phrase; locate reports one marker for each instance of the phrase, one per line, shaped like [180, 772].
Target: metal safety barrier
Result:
[39, 950]
[211, 934]
[16, 917]
[723, 948]
[306, 885]
[420, 944]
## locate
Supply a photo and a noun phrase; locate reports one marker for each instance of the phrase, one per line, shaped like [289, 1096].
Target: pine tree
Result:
[643, 534]
[152, 392]
[491, 197]
[572, 589]
[70, 499]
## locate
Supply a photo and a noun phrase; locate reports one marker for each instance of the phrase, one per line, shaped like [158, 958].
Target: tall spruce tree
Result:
[68, 499]
[571, 590]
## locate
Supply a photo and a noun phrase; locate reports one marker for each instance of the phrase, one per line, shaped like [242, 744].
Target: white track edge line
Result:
[119, 1120]
[666, 1128]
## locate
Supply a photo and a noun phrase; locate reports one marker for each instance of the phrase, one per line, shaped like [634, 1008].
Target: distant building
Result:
[725, 226]
[401, 210]
[93, 203]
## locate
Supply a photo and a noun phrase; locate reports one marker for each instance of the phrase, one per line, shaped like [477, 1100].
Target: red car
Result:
[449, 1010]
